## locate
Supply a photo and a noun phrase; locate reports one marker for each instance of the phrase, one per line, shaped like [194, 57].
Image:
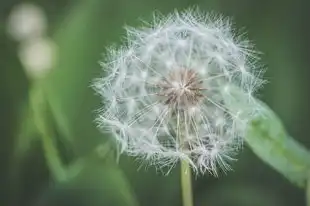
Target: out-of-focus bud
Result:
[26, 21]
[38, 56]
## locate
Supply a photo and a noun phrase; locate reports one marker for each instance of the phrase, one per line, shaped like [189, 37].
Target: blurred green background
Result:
[51, 152]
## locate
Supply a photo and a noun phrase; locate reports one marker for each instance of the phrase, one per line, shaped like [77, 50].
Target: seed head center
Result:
[181, 89]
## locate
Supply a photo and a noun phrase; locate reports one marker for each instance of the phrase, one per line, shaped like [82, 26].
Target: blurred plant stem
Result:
[186, 184]
[53, 160]
[52, 157]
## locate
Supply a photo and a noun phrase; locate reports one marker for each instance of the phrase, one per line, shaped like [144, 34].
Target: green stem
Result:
[50, 150]
[186, 184]
[52, 158]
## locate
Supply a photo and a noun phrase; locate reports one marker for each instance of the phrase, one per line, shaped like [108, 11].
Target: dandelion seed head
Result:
[166, 92]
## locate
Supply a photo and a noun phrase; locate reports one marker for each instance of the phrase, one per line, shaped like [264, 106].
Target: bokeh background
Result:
[53, 155]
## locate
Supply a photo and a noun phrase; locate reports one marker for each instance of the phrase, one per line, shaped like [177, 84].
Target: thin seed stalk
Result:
[186, 175]
[186, 184]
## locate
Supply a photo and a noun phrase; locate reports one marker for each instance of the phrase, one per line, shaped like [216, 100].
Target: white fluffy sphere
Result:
[164, 91]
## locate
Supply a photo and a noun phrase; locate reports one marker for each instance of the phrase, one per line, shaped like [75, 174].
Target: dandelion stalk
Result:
[186, 184]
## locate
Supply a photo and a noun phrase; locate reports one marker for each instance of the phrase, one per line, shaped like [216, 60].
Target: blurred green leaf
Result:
[104, 175]
[80, 39]
[268, 139]
[99, 182]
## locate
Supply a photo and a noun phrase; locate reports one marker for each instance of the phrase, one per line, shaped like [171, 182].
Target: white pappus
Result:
[166, 92]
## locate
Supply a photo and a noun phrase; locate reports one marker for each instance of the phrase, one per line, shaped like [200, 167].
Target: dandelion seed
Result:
[164, 91]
